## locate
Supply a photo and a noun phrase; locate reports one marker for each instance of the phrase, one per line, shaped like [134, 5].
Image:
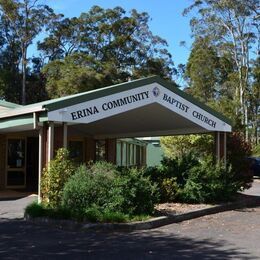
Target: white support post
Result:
[50, 141]
[225, 148]
[40, 163]
[65, 135]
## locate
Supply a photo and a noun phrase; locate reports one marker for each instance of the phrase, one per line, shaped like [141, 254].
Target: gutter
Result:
[21, 111]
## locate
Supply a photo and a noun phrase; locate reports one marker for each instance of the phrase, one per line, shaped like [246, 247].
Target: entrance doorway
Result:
[32, 155]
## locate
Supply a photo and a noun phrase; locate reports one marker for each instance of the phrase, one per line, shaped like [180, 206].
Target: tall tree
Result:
[107, 45]
[10, 55]
[202, 70]
[26, 19]
[230, 24]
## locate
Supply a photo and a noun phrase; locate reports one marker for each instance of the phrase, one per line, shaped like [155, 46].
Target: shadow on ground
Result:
[21, 240]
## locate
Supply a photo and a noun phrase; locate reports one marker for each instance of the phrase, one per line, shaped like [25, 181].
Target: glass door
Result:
[16, 177]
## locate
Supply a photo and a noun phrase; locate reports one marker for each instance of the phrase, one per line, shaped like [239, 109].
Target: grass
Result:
[92, 214]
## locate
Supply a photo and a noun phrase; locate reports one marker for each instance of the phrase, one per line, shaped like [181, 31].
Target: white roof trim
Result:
[21, 111]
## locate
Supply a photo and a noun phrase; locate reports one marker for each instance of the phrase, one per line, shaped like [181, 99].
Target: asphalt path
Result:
[227, 235]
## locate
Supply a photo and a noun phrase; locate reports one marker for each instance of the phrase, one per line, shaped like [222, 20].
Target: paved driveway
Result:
[227, 235]
[14, 209]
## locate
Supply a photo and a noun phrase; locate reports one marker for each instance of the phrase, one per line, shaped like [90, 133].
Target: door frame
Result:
[23, 169]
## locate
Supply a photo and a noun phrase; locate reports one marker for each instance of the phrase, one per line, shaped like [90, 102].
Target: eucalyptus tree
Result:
[25, 19]
[104, 46]
[232, 26]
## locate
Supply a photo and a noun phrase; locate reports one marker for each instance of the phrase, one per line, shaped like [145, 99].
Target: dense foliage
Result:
[96, 192]
[190, 179]
[101, 189]
[178, 146]
[223, 66]
[100, 47]
[237, 152]
[54, 177]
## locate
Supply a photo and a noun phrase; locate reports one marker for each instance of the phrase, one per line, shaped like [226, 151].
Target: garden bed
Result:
[179, 208]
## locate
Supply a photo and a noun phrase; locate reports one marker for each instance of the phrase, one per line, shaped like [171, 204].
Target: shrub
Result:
[237, 152]
[90, 186]
[101, 188]
[35, 210]
[40, 210]
[169, 189]
[209, 182]
[188, 179]
[54, 178]
[256, 150]
[138, 193]
[171, 175]
[179, 167]
[178, 146]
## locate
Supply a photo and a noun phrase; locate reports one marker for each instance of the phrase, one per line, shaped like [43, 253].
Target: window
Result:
[101, 150]
[76, 149]
[118, 153]
[16, 153]
[124, 154]
[16, 162]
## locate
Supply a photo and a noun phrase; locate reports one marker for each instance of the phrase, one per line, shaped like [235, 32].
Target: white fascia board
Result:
[21, 111]
[104, 107]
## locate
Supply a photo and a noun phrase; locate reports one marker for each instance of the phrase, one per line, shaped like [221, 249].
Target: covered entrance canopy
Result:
[145, 107]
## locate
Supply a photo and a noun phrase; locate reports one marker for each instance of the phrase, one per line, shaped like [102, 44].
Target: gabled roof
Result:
[59, 104]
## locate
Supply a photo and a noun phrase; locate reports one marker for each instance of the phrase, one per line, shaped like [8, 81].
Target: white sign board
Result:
[124, 101]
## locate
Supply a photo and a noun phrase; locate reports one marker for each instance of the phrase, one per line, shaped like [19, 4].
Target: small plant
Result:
[54, 178]
[35, 210]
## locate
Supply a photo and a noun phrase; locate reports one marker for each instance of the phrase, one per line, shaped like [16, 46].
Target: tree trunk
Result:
[23, 75]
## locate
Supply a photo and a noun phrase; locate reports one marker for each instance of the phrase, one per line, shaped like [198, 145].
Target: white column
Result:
[40, 163]
[50, 141]
[225, 148]
[65, 135]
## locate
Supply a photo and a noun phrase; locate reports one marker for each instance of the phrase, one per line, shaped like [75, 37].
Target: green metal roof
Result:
[64, 102]
[6, 104]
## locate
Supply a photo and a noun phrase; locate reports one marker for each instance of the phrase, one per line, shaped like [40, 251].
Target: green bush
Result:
[171, 175]
[256, 150]
[209, 182]
[95, 214]
[237, 152]
[138, 193]
[189, 179]
[40, 210]
[102, 188]
[179, 167]
[54, 178]
[169, 189]
[35, 210]
[90, 186]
